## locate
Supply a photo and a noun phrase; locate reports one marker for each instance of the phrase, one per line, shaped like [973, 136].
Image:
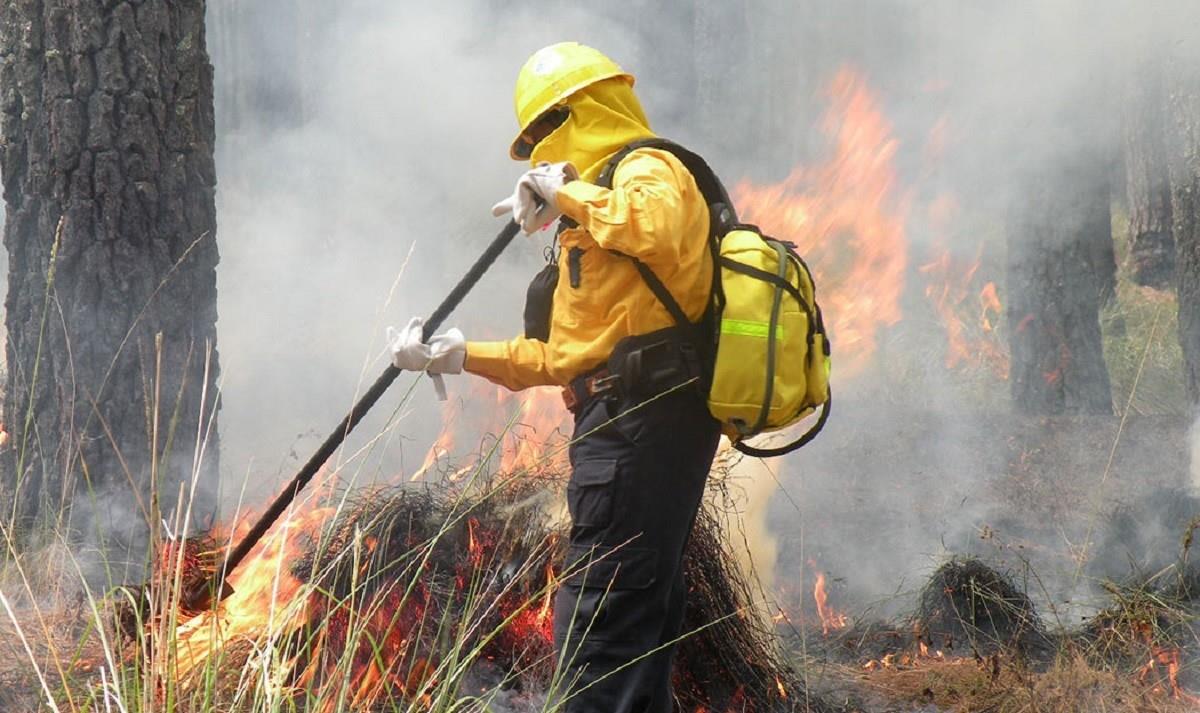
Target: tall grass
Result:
[72, 641]
[134, 650]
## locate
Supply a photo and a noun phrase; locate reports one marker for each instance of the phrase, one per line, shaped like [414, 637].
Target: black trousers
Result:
[636, 485]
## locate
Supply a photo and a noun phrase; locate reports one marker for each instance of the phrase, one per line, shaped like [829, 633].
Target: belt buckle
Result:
[602, 384]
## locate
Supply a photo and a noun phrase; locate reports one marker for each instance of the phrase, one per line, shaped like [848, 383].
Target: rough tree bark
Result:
[106, 133]
[1059, 270]
[1183, 150]
[1152, 247]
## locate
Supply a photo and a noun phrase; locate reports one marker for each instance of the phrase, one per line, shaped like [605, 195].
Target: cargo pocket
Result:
[590, 493]
[606, 595]
[618, 568]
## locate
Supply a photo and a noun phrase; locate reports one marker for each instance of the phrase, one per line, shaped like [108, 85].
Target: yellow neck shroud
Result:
[605, 117]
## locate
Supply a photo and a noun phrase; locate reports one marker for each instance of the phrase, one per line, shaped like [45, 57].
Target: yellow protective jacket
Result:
[654, 212]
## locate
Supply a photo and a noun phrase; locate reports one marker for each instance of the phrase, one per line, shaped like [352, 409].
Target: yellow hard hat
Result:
[554, 73]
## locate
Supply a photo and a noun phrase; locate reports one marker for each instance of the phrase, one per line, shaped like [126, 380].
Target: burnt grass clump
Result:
[417, 553]
[732, 662]
[1151, 577]
[1140, 620]
[420, 558]
[967, 607]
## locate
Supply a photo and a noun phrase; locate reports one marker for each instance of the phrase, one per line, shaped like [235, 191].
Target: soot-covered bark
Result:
[106, 154]
[1183, 150]
[1059, 275]
[1152, 247]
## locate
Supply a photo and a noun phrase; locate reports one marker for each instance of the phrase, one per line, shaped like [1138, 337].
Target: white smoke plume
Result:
[361, 144]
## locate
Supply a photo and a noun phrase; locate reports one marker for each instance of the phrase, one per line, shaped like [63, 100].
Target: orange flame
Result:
[530, 425]
[831, 620]
[846, 216]
[966, 311]
[269, 601]
[845, 219]
[1167, 658]
[437, 452]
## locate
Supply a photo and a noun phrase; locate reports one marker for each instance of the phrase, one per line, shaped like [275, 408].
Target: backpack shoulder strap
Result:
[720, 208]
[706, 179]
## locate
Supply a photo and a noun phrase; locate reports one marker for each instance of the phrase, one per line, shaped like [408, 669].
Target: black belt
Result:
[596, 384]
[643, 365]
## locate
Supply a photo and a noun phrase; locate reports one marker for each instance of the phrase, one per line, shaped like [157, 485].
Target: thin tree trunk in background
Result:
[1057, 275]
[1152, 247]
[1183, 150]
[1097, 197]
[106, 124]
[260, 50]
[726, 106]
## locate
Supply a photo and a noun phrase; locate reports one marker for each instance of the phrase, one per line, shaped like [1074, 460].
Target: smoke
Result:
[750, 487]
[361, 144]
[356, 199]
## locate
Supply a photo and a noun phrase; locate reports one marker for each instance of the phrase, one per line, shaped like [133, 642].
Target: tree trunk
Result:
[1060, 247]
[1183, 148]
[1151, 245]
[106, 152]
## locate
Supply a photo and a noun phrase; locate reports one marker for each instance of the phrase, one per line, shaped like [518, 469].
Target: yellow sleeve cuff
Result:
[516, 364]
[489, 360]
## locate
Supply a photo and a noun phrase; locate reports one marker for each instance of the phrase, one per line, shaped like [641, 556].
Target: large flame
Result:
[846, 219]
[523, 432]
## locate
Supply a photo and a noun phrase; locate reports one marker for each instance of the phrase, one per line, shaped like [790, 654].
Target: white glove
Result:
[534, 203]
[443, 354]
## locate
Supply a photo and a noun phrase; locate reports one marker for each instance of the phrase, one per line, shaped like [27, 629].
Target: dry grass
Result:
[46, 643]
[997, 684]
[1136, 655]
[1142, 319]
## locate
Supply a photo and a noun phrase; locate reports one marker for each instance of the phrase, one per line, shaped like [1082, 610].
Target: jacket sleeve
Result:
[516, 364]
[645, 212]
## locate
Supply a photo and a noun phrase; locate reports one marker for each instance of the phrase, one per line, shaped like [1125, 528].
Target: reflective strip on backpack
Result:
[748, 328]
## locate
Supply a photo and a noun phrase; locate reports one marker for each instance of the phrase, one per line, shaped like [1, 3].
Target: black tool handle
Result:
[368, 399]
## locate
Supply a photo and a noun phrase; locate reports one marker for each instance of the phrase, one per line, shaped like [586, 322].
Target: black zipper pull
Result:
[575, 266]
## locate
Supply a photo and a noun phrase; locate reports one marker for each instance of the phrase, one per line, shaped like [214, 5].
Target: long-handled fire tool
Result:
[200, 596]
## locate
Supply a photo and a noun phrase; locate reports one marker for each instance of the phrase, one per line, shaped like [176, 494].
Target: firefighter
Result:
[644, 440]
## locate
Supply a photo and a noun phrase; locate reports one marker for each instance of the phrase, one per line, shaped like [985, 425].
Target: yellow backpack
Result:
[768, 365]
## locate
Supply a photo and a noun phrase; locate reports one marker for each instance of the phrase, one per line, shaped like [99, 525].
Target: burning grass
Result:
[414, 598]
[424, 598]
[976, 643]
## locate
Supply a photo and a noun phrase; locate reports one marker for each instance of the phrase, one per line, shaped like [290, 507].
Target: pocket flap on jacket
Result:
[598, 566]
[601, 471]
